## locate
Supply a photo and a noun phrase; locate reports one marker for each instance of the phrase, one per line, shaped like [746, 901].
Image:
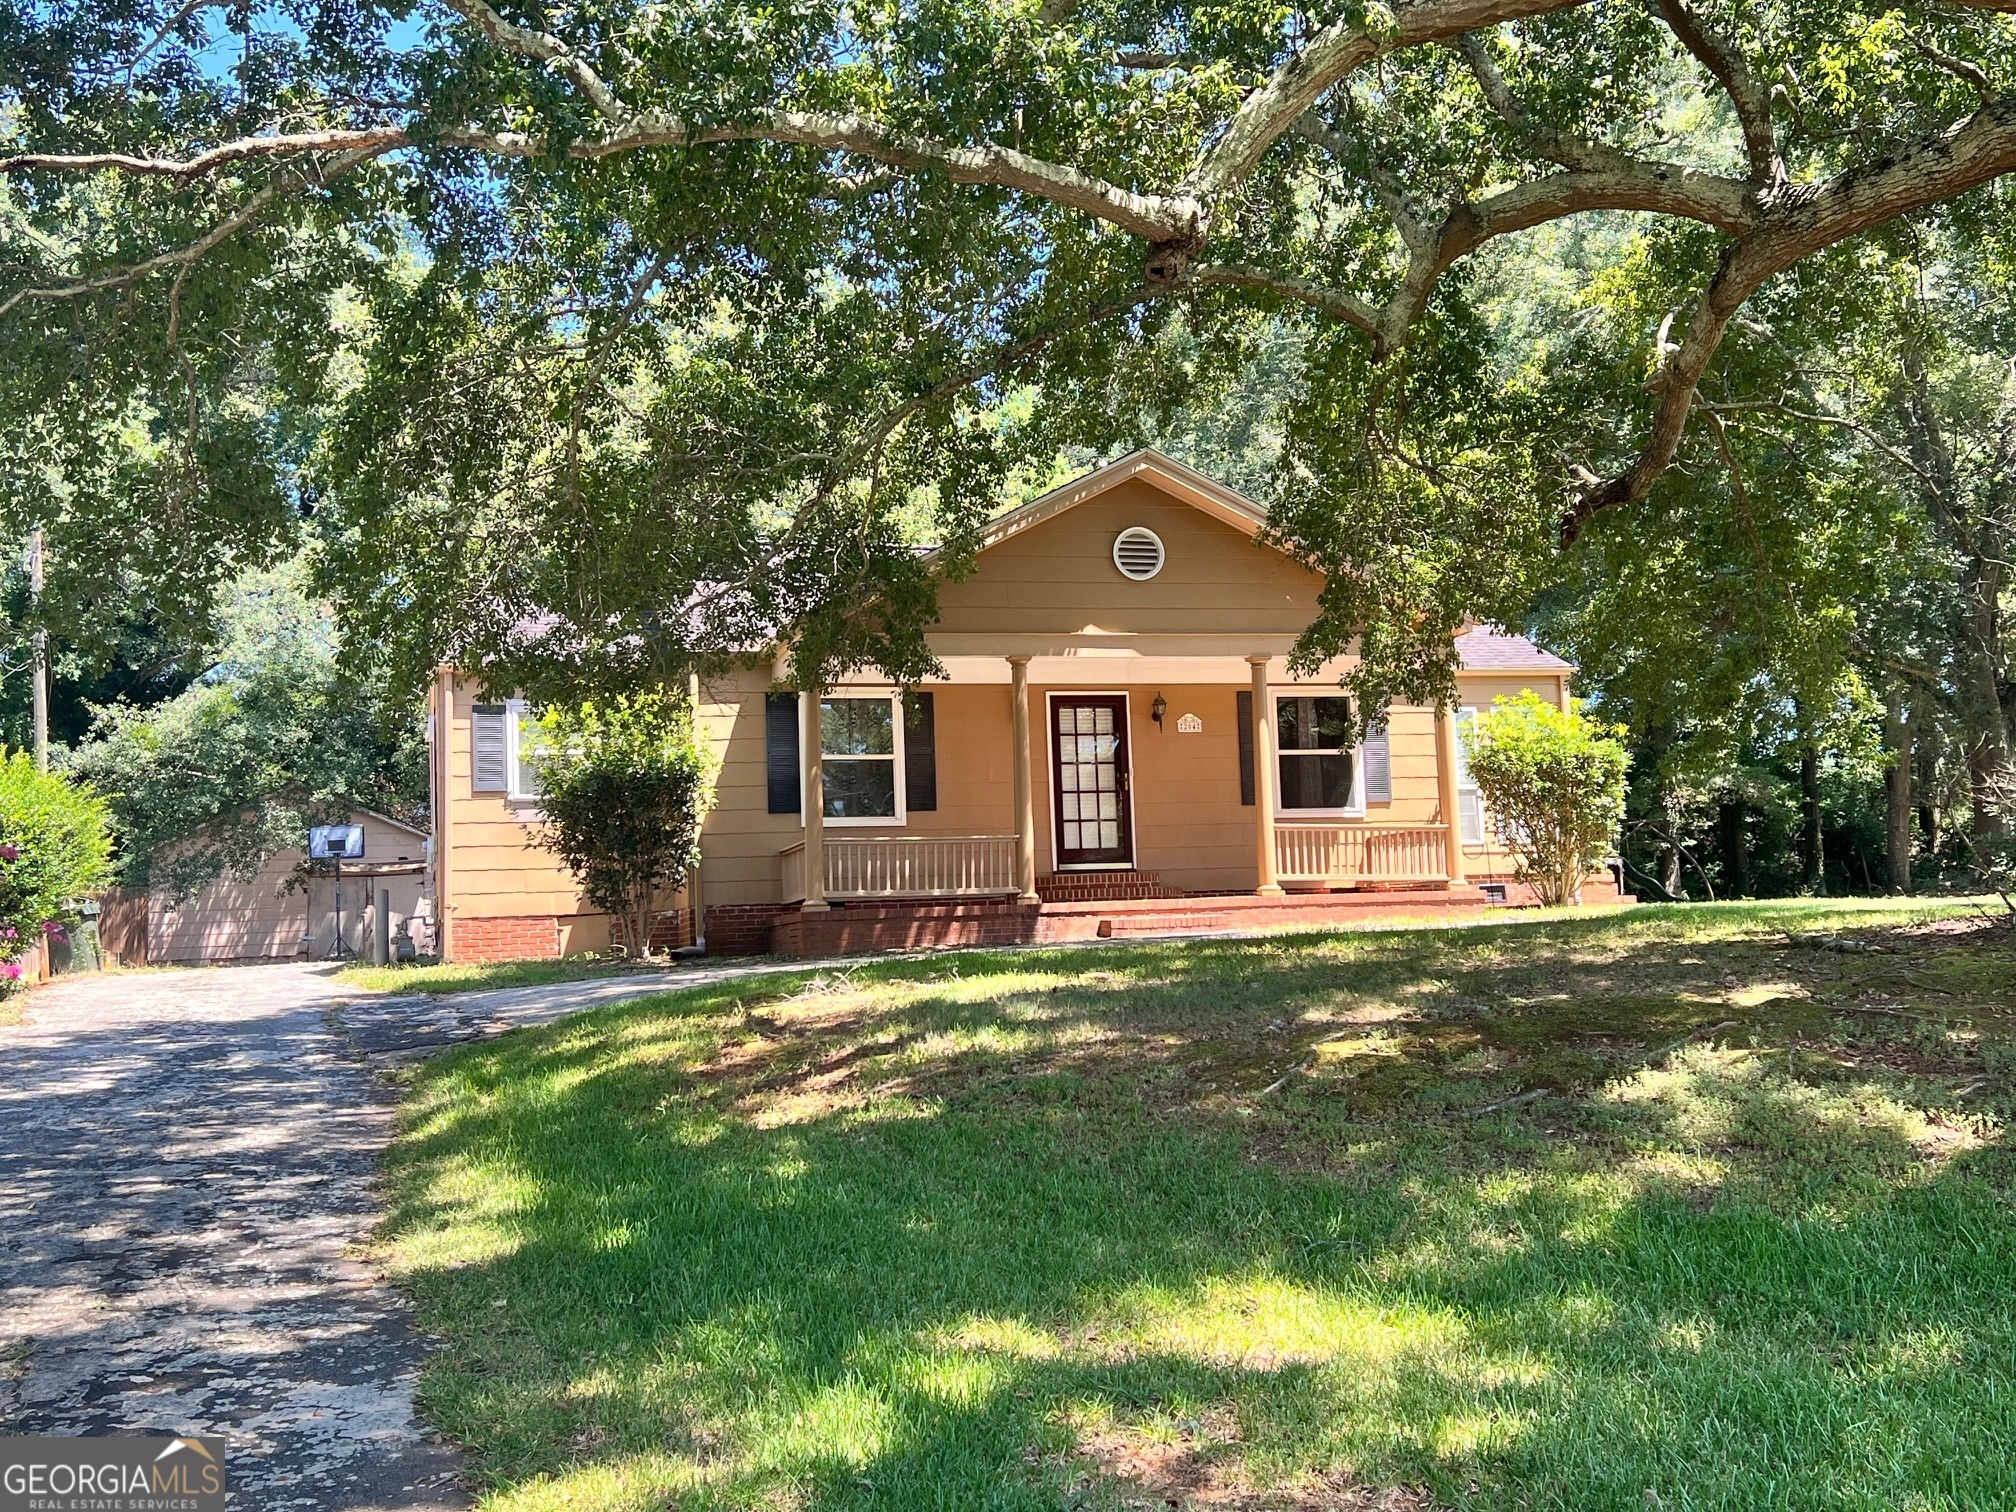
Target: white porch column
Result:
[814, 789]
[1025, 787]
[1263, 778]
[1445, 787]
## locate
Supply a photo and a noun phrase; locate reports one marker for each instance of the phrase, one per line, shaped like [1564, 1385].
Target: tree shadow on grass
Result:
[720, 1290]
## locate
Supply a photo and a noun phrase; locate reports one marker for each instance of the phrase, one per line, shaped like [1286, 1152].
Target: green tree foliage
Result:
[624, 784]
[1553, 783]
[678, 325]
[279, 734]
[55, 848]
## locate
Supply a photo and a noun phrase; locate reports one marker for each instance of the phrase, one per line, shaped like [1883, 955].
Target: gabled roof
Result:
[395, 823]
[1485, 648]
[1176, 478]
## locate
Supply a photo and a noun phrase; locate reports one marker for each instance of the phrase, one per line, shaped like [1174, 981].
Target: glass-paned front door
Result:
[1088, 735]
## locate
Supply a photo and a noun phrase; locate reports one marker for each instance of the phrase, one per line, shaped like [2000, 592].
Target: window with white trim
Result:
[522, 743]
[502, 740]
[861, 759]
[1469, 801]
[1319, 769]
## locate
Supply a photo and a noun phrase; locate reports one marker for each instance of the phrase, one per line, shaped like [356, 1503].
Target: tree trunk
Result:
[646, 896]
[1978, 531]
[1930, 817]
[1729, 824]
[1811, 862]
[1669, 870]
[1897, 736]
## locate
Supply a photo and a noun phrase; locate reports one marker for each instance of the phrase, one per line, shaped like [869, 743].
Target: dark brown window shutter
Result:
[780, 739]
[1246, 746]
[920, 753]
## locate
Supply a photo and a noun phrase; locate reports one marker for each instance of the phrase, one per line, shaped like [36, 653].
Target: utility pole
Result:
[41, 652]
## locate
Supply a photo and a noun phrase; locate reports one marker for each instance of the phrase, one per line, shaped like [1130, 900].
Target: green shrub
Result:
[55, 847]
[623, 786]
[1553, 783]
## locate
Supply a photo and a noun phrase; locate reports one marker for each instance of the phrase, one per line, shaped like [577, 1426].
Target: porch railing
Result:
[907, 866]
[1346, 855]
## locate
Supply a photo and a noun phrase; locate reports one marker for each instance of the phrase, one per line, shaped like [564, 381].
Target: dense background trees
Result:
[277, 731]
[588, 344]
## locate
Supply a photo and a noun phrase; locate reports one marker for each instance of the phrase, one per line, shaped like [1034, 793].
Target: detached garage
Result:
[279, 915]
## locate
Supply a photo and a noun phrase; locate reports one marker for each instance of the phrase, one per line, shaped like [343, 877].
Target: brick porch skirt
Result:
[860, 928]
[863, 928]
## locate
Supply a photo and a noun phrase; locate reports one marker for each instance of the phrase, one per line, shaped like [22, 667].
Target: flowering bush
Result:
[1553, 782]
[55, 848]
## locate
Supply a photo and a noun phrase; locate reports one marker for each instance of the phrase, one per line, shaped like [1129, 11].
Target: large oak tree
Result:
[671, 324]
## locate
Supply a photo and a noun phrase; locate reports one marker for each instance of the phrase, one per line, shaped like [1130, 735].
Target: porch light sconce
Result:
[1157, 709]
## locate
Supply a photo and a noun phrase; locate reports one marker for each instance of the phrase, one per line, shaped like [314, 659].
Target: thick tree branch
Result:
[378, 138]
[1796, 223]
[1154, 217]
[1662, 188]
[1333, 54]
[1751, 99]
[1157, 218]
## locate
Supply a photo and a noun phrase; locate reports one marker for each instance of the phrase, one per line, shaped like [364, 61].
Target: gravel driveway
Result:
[185, 1165]
[186, 1160]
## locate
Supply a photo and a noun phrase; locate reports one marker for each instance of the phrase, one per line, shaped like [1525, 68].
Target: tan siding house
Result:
[1116, 745]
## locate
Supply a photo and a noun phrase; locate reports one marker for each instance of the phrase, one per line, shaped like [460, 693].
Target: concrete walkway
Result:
[186, 1159]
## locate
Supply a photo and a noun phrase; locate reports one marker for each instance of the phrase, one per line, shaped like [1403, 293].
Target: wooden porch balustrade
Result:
[907, 866]
[1346, 855]
[983, 866]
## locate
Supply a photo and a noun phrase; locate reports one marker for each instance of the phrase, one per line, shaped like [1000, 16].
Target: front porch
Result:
[887, 893]
[1213, 771]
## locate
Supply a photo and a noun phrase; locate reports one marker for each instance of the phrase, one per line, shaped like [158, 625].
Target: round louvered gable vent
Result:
[1138, 553]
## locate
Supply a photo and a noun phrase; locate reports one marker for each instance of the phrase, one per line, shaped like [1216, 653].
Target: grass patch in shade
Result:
[1646, 1209]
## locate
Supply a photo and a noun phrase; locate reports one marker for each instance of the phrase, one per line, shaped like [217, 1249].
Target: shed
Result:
[275, 916]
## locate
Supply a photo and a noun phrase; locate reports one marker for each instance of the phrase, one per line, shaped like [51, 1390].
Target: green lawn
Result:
[446, 977]
[1030, 1230]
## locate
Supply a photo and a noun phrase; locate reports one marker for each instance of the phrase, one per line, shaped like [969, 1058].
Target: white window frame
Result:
[897, 757]
[1355, 807]
[518, 788]
[1466, 787]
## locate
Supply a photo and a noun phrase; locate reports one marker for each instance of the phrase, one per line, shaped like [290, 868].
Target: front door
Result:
[1088, 733]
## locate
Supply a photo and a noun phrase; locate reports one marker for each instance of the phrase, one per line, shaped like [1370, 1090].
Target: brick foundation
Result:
[742, 928]
[855, 928]
[526, 937]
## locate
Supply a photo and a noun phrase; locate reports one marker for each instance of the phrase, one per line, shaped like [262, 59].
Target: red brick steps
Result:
[1102, 887]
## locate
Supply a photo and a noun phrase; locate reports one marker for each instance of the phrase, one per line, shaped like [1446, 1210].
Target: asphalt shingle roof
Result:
[1486, 649]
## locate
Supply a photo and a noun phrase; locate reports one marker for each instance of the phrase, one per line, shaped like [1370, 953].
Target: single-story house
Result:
[281, 912]
[1117, 745]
